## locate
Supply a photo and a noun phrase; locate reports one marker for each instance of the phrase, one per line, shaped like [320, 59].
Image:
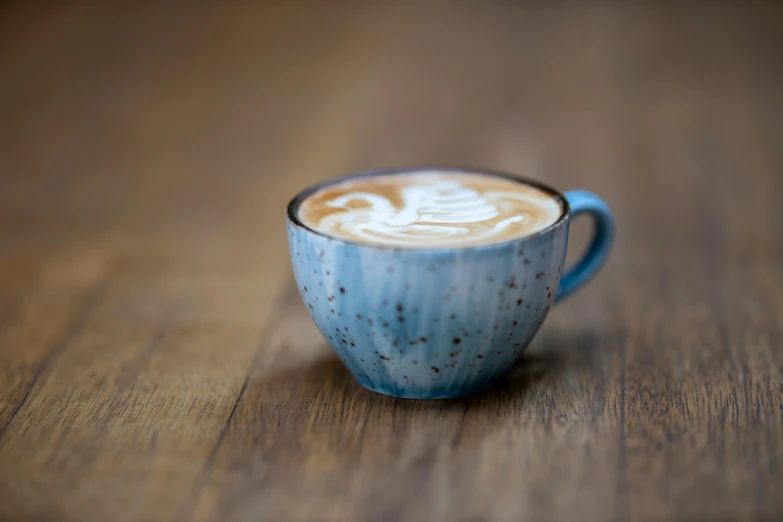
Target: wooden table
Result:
[157, 364]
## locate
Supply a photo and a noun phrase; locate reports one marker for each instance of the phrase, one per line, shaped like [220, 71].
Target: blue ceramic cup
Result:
[441, 322]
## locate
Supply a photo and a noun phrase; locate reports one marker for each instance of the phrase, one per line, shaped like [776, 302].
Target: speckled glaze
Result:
[437, 323]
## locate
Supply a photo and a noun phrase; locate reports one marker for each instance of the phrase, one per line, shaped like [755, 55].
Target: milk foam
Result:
[429, 209]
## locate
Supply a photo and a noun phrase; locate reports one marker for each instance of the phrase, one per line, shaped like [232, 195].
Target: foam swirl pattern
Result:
[427, 209]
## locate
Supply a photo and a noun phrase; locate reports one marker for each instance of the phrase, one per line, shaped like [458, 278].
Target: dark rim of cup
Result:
[293, 205]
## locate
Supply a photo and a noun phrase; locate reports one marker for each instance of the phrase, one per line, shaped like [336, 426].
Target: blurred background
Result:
[172, 136]
[148, 151]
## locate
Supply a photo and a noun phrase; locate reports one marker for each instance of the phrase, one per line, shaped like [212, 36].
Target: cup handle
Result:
[583, 202]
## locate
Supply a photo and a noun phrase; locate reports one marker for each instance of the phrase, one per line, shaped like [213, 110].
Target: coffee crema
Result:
[427, 209]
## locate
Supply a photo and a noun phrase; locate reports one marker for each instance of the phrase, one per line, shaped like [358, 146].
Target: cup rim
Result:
[293, 205]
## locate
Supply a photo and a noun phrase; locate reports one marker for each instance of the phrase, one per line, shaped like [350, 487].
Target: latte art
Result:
[428, 209]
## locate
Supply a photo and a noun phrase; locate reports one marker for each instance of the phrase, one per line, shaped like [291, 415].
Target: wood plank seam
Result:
[92, 296]
[621, 509]
[185, 510]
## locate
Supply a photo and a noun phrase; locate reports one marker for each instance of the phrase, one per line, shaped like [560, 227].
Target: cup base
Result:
[428, 395]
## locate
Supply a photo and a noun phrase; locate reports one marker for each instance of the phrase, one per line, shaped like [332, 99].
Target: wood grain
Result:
[157, 364]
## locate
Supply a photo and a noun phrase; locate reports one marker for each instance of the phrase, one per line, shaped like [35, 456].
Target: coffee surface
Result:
[429, 209]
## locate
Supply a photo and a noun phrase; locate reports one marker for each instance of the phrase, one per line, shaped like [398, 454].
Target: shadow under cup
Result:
[445, 322]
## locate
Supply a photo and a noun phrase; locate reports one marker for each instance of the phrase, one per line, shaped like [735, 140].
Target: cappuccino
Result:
[428, 209]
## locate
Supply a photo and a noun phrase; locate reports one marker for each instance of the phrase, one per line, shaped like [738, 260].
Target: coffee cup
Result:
[425, 312]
